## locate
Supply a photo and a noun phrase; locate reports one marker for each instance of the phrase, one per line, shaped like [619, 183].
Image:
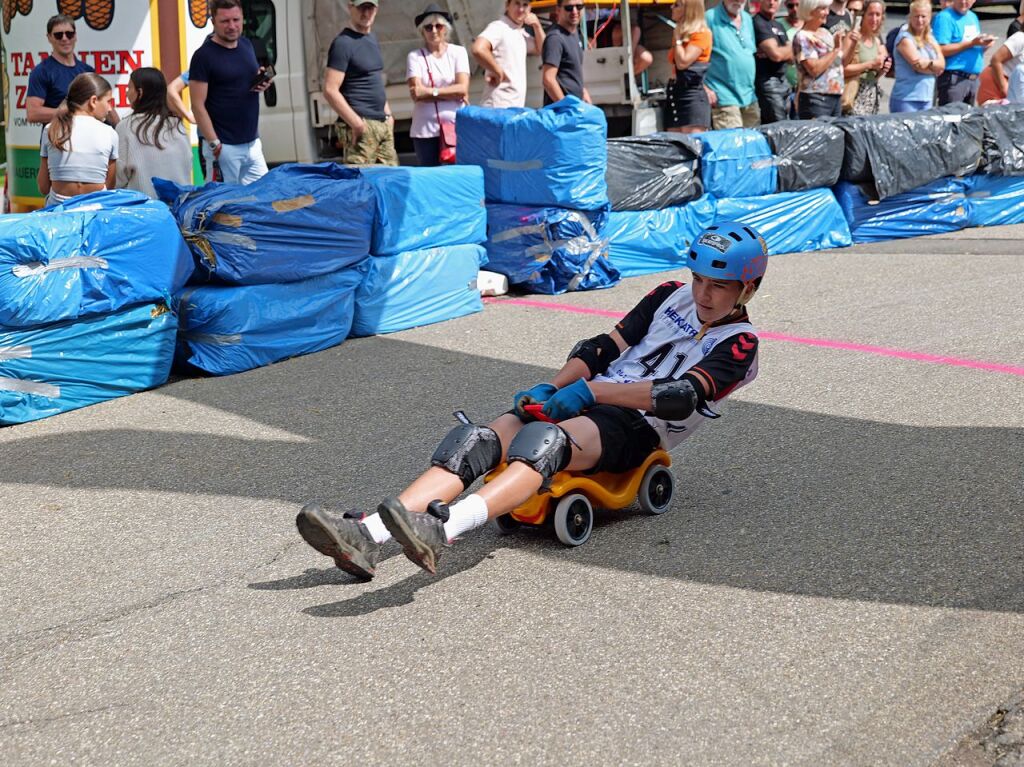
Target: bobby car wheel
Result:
[656, 489]
[506, 524]
[574, 519]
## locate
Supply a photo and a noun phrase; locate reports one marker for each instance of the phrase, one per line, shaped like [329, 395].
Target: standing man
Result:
[502, 48]
[730, 76]
[774, 53]
[562, 72]
[48, 82]
[839, 19]
[354, 87]
[957, 30]
[226, 81]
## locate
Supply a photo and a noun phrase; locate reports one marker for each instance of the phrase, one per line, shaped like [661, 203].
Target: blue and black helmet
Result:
[728, 251]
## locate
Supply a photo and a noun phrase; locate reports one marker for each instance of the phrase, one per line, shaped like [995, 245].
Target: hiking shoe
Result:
[343, 537]
[421, 535]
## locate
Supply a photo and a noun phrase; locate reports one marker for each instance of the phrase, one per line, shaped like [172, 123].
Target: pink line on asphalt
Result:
[882, 351]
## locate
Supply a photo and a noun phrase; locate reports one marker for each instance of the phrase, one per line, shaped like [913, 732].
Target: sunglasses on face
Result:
[64, 35]
[572, 8]
[433, 27]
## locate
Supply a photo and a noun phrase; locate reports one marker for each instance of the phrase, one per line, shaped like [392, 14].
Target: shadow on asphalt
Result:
[769, 498]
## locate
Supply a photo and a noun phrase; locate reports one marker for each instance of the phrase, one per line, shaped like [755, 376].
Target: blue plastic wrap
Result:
[737, 163]
[418, 288]
[227, 328]
[791, 222]
[479, 130]
[427, 207]
[995, 200]
[297, 221]
[67, 365]
[95, 254]
[555, 156]
[934, 208]
[646, 241]
[549, 250]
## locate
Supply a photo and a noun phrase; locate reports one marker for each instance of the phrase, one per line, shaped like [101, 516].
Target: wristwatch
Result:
[215, 145]
[435, 93]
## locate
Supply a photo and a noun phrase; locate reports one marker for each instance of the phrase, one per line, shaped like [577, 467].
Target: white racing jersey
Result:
[662, 335]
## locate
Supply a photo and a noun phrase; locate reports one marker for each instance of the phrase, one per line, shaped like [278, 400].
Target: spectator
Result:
[1015, 90]
[562, 57]
[820, 57]
[175, 102]
[774, 52]
[1017, 25]
[354, 87]
[225, 80]
[48, 82]
[870, 62]
[79, 152]
[792, 24]
[730, 77]
[438, 77]
[687, 104]
[919, 61]
[502, 48]
[994, 83]
[610, 36]
[839, 19]
[958, 33]
[151, 141]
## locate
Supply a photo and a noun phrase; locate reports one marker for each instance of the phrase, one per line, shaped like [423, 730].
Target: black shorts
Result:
[626, 438]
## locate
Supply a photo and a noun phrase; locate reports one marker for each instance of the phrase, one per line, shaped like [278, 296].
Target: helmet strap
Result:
[746, 294]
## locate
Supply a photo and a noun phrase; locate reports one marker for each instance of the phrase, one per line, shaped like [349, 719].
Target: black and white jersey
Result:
[662, 335]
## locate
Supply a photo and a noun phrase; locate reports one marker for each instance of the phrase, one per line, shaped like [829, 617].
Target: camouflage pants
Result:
[375, 147]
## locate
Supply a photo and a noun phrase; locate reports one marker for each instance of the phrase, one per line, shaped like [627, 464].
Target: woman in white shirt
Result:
[79, 152]
[438, 77]
[152, 140]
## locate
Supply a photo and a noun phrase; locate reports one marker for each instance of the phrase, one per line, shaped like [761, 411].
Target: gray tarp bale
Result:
[1004, 140]
[900, 152]
[808, 153]
[651, 172]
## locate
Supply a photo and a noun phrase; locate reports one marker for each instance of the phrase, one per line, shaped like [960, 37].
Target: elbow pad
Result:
[597, 353]
[673, 400]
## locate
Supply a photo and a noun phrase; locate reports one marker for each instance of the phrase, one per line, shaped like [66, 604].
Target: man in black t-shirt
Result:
[839, 19]
[354, 87]
[226, 97]
[773, 54]
[562, 56]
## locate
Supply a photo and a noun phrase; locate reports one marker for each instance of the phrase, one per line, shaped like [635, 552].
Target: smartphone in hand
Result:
[265, 76]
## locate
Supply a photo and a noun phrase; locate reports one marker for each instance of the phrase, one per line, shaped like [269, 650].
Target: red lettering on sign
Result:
[122, 96]
[103, 62]
[30, 63]
[129, 61]
[16, 63]
[20, 101]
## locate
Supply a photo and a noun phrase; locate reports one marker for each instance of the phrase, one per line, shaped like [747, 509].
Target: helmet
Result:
[728, 251]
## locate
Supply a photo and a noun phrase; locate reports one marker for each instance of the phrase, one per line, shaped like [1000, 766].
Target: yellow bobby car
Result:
[651, 484]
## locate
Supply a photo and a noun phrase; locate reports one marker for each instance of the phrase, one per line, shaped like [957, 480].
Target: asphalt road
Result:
[841, 580]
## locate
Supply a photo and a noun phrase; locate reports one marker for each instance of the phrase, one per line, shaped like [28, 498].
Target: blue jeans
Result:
[904, 105]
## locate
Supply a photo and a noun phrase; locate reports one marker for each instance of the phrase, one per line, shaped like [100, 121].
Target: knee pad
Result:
[468, 451]
[544, 447]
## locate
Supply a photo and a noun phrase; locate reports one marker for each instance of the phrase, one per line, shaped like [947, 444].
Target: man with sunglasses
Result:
[562, 57]
[48, 82]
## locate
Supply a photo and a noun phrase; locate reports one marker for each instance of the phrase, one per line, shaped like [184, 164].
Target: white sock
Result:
[376, 528]
[467, 514]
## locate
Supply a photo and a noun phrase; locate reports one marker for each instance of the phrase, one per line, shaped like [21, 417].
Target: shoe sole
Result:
[415, 549]
[316, 531]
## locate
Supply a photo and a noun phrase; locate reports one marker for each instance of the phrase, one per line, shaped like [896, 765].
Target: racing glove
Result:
[570, 401]
[536, 395]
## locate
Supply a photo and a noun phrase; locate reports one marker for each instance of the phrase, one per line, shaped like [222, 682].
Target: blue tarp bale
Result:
[995, 200]
[935, 208]
[297, 221]
[228, 329]
[418, 288]
[555, 156]
[737, 163]
[95, 254]
[427, 207]
[549, 250]
[791, 222]
[479, 130]
[54, 368]
[646, 241]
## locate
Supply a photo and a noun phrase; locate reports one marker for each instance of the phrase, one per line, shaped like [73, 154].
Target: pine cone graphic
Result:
[72, 8]
[9, 9]
[25, 7]
[199, 12]
[99, 13]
